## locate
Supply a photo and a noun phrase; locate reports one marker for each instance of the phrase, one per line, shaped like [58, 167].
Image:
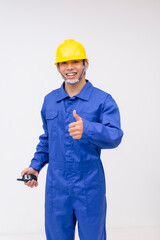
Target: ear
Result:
[87, 64]
[57, 67]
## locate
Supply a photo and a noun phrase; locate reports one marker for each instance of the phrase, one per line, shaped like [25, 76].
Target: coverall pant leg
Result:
[75, 192]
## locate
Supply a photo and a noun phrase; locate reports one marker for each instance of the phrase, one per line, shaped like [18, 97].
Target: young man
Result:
[78, 121]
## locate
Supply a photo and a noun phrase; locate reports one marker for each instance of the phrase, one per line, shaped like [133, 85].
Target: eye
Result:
[76, 61]
[63, 63]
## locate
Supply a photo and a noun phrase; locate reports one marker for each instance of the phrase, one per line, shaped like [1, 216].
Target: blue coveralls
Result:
[75, 182]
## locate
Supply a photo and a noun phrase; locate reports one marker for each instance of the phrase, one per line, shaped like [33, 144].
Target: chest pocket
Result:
[90, 116]
[52, 123]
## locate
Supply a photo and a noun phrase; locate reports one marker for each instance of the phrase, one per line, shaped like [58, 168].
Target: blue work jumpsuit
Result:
[75, 183]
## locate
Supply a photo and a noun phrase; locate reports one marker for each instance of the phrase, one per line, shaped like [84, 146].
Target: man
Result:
[78, 121]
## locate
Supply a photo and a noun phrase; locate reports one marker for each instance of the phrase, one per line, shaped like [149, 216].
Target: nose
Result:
[69, 66]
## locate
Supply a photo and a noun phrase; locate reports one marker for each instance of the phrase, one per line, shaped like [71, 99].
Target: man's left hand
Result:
[76, 128]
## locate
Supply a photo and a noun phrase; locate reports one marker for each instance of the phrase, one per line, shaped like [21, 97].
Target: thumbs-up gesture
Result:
[76, 128]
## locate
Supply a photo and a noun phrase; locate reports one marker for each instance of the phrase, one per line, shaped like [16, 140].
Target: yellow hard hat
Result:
[70, 50]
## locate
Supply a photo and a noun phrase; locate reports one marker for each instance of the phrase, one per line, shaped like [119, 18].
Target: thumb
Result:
[24, 171]
[76, 116]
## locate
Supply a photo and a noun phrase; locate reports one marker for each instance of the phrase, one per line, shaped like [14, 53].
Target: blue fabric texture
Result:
[75, 182]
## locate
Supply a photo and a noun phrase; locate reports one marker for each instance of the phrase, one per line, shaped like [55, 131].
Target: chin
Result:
[72, 81]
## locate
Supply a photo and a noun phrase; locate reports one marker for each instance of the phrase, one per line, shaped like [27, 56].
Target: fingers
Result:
[31, 184]
[77, 137]
[73, 124]
[29, 170]
[76, 128]
[75, 133]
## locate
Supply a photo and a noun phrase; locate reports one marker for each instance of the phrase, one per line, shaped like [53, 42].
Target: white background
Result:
[121, 39]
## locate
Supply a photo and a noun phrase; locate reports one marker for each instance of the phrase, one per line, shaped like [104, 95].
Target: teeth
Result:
[71, 74]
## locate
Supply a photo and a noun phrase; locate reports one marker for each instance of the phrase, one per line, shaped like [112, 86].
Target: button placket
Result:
[69, 107]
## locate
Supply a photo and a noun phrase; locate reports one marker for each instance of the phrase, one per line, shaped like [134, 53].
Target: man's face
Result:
[72, 70]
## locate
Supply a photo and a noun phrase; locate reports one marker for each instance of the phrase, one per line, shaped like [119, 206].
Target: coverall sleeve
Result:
[41, 156]
[107, 132]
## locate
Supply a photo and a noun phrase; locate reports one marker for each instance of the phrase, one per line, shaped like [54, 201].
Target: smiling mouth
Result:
[71, 74]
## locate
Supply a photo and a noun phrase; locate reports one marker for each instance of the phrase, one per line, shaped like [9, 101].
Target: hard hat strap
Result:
[83, 71]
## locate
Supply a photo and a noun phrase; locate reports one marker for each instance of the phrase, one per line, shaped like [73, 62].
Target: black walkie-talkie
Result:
[27, 177]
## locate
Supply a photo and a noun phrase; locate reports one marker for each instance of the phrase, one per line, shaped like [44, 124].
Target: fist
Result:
[76, 128]
[32, 183]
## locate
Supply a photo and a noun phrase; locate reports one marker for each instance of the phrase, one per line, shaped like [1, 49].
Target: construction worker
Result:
[78, 121]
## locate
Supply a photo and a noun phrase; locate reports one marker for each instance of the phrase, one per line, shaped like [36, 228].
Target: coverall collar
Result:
[83, 94]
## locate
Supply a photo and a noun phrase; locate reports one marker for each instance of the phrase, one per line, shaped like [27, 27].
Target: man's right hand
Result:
[32, 183]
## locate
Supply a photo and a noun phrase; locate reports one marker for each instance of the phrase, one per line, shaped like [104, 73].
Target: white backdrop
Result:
[121, 39]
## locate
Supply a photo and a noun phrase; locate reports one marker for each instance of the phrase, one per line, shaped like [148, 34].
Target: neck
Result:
[75, 89]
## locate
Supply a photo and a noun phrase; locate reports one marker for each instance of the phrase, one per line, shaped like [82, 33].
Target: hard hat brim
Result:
[69, 59]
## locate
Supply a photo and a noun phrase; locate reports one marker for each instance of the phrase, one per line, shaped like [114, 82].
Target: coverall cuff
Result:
[34, 166]
[85, 128]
